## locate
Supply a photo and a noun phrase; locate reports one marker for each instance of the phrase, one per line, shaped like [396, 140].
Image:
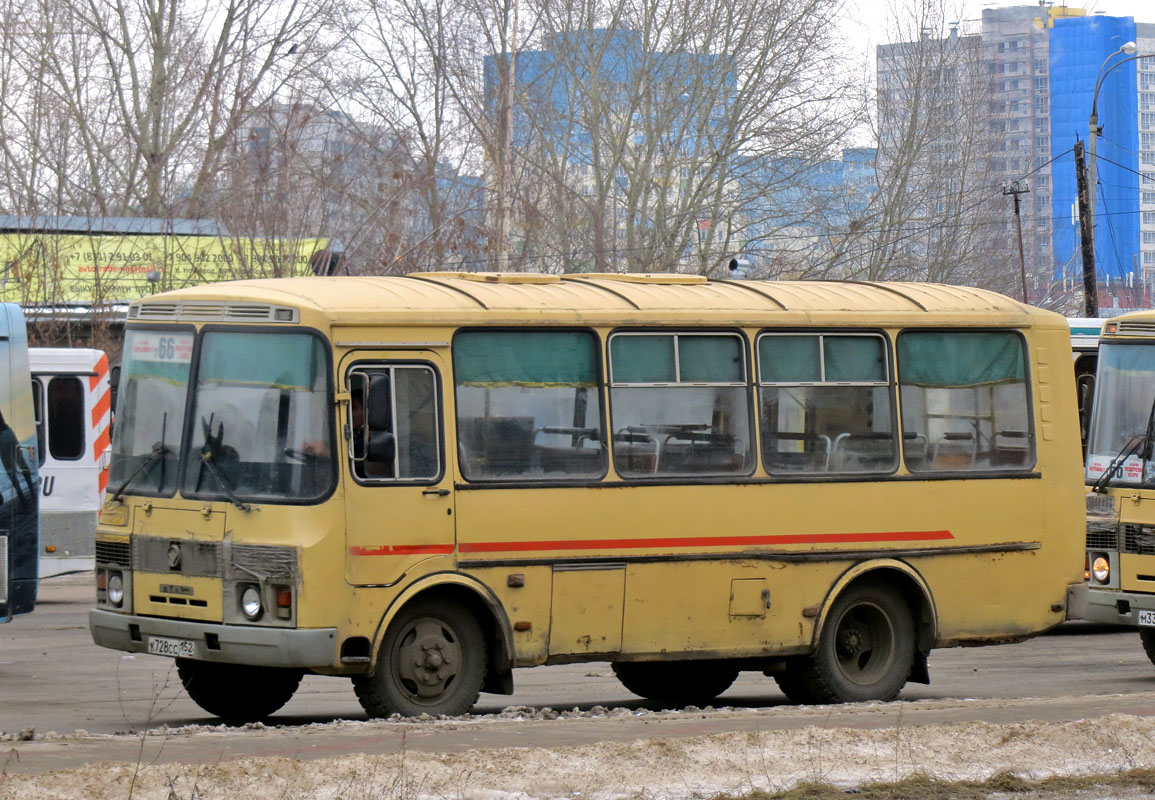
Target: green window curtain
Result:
[525, 358]
[283, 360]
[710, 359]
[942, 359]
[643, 359]
[854, 358]
[789, 359]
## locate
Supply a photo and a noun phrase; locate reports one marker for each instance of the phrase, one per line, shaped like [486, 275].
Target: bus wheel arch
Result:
[872, 636]
[902, 577]
[474, 597]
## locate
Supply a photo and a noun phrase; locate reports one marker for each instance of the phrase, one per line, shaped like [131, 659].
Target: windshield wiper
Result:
[210, 451]
[158, 450]
[1145, 441]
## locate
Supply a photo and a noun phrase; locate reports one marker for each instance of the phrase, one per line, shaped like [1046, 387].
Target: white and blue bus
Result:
[19, 477]
[1085, 356]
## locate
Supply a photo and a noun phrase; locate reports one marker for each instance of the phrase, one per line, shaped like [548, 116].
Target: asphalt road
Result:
[53, 679]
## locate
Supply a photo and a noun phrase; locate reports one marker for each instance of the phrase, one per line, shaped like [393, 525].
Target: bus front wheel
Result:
[866, 648]
[1147, 637]
[432, 661]
[677, 683]
[237, 692]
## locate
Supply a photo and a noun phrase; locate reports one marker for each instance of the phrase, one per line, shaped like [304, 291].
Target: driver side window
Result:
[393, 424]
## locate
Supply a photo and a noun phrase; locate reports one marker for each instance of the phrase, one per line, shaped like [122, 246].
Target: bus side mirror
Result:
[113, 384]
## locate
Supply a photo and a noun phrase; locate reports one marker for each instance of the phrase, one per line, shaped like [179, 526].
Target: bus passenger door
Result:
[398, 489]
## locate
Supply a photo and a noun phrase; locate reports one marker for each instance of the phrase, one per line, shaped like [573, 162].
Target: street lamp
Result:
[1093, 136]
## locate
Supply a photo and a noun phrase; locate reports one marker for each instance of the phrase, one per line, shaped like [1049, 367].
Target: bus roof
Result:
[434, 298]
[63, 360]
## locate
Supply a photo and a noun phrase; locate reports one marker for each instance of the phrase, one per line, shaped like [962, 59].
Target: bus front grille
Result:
[1139, 539]
[177, 556]
[118, 553]
[1102, 538]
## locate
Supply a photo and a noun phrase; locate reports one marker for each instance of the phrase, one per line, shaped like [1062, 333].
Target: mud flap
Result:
[498, 681]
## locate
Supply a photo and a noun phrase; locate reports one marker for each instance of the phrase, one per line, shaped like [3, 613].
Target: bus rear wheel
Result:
[866, 648]
[237, 692]
[432, 661]
[676, 683]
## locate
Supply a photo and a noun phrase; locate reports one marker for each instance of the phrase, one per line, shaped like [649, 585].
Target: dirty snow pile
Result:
[656, 769]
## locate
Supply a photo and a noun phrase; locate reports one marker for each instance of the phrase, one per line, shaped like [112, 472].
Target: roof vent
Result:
[202, 311]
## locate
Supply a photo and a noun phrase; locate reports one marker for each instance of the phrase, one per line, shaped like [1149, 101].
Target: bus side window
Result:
[396, 435]
[66, 418]
[826, 403]
[527, 405]
[680, 404]
[965, 392]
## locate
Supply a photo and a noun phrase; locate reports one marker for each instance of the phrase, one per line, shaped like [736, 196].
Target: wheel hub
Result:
[850, 642]
[429, 658]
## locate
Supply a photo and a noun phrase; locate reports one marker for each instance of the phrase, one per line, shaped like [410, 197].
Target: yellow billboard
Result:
[43, 268]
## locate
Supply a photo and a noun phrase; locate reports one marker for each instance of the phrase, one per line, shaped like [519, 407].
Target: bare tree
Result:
[938, 213]
[148, 94]
[649, 126]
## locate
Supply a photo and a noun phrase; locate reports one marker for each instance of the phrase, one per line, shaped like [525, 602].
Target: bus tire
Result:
[1147, 637]
[432, 661]
[865, 650]
[237, 692]
[676, 683]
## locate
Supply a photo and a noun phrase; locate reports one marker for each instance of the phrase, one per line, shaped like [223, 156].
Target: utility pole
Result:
[1090, 294]
[1016, 188]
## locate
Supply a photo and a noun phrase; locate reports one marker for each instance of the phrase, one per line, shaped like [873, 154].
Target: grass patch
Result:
[924, 787]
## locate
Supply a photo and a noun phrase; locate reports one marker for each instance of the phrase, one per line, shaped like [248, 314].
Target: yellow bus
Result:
[423, 482]
[1120, 477]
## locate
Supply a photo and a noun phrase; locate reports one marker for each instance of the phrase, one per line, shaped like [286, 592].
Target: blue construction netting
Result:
[1079, 46]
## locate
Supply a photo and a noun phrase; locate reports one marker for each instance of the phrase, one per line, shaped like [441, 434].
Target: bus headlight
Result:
[115, 589]
[251, 603]
[1101, 569]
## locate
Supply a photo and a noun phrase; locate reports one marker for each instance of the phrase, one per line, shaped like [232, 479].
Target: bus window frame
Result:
[521, 481]
[890, 354]
[368, 364]
[745, 476]
[38, 418]
[1031, 470]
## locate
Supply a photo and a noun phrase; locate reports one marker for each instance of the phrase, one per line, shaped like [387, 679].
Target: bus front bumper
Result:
[230, 644]
[1107, 605]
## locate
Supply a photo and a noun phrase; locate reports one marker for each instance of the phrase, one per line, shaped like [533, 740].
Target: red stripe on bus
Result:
[101, 407]
[101, 372]
[638, 544]
[103, 480]
[401, 550]
[705, 541]
[101, 444]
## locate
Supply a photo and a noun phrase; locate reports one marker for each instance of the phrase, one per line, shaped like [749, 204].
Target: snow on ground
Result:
[654, 769]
